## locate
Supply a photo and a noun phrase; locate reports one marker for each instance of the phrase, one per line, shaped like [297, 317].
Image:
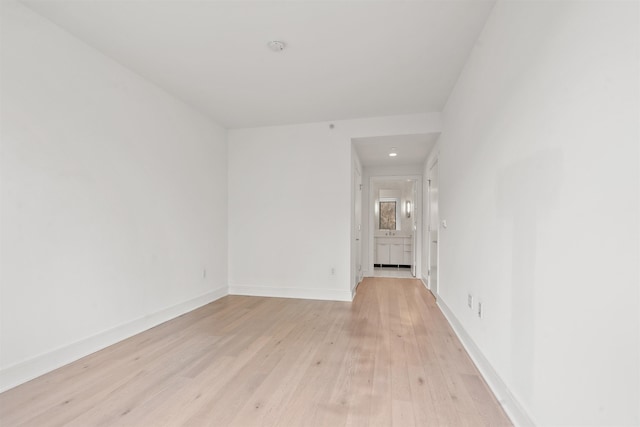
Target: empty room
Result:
[320, 213]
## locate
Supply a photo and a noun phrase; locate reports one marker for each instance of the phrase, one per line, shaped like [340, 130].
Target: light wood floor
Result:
[388, 358]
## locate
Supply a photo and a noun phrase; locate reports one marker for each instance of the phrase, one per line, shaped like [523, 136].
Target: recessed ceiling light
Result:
[393, 153]
[276, 45]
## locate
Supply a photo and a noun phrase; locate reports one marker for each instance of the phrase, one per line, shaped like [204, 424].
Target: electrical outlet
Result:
[204, 273]
[480, 310]
[333, 271]
[470, 300]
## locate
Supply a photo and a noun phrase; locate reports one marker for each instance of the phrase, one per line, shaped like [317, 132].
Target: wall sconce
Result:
[408, 209]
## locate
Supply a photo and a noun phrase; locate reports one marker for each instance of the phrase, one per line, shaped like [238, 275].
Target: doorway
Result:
[393, 228]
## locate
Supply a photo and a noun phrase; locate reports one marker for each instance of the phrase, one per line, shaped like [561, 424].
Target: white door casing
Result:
[358, 224]
[434, 227]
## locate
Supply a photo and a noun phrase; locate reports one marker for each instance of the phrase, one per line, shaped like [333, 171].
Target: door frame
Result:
[428, 253]
[417, 212]
[358, 221]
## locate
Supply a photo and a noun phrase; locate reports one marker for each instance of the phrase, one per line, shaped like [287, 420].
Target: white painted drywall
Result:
[290, 205]
[539, 186]
[113, 200]
[343, 59]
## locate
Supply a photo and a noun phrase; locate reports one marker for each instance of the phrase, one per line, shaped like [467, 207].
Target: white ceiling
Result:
[343, 59]
[411, 149]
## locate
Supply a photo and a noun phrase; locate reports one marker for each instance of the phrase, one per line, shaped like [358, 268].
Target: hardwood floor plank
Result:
[319, 376]
[388, 358]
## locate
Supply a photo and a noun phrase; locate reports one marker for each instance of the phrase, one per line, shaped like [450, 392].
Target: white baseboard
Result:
[22, 372]
[319, 294]
[355, 288]
[515, 411]
[353, 292]
[425, 282]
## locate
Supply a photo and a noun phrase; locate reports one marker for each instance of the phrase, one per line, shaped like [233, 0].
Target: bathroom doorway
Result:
[393, 202]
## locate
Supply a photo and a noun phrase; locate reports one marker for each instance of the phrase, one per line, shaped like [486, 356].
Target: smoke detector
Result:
[276, 45]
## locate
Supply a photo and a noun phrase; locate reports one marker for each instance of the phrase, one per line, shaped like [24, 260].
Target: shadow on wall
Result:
[526, 190]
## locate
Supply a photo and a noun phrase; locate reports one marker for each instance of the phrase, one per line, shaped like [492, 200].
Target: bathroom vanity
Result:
[393, 250]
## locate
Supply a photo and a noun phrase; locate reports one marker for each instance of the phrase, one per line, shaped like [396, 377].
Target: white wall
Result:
[539, 185]
[113, 201]
[290, 205]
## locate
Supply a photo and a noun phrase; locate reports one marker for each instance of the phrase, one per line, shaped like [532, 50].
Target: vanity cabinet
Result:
[382, 253]
[396, 253]
[393, 250]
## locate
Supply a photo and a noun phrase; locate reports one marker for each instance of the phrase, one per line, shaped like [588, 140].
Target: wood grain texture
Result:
[388, 358]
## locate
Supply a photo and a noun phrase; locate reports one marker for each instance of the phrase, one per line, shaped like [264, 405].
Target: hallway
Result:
[388, 358]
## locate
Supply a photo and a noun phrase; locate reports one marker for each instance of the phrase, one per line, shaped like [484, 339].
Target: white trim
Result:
[425, 282]
[22, 372]
[511, 405]
[437, 229]
[319, 294]
[353, 291]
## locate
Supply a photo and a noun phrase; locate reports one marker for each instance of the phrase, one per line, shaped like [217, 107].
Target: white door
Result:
[358, 224]
[433, 229]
